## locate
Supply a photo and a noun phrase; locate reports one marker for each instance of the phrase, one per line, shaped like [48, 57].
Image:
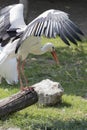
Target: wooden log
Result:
[17, 102]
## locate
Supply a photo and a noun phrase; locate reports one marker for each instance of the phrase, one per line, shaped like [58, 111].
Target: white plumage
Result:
[8, 70]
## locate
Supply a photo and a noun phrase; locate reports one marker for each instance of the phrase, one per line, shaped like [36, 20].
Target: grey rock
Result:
[49, 92]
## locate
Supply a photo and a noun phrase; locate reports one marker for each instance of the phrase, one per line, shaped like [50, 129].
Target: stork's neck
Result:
[38, 49]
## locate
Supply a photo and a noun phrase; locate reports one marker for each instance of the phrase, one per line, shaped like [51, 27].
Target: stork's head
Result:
[51, 48]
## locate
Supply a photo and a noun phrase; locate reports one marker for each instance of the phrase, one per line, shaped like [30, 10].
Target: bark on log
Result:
[17, 102]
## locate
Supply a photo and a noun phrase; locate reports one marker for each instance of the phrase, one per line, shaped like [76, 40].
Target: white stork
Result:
[24, 39]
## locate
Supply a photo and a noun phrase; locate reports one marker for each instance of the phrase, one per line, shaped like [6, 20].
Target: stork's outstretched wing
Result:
[4, 24]
[11, 17]
[50, 24]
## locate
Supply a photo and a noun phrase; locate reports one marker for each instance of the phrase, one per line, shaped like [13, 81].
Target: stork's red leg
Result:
[22, 70]
[19, 73]
[26, 81]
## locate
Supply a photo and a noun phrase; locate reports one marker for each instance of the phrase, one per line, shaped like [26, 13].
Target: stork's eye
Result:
[53, 48]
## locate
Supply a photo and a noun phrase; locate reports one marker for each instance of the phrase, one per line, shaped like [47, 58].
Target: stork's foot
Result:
[27, 88]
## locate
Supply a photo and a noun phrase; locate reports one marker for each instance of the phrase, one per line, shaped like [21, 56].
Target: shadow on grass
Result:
[58, 105]
[61, 125]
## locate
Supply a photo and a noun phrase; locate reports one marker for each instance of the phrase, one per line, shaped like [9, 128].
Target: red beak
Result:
[55, 56]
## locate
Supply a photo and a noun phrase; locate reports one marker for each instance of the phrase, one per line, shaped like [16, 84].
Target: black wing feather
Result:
[74, 26]
[72, 31]
[63, 37]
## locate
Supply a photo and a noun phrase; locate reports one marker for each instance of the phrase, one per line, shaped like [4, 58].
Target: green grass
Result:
[71, 114]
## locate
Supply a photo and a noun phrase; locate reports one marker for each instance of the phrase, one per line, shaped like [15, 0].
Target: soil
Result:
[77, 9]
